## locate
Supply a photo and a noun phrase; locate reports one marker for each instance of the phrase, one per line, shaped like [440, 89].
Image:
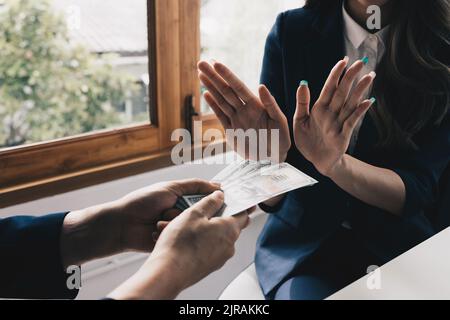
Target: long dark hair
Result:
[413, 81]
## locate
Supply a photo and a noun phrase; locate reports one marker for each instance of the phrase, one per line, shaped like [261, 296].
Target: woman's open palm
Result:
[238, 108]
[323, 134]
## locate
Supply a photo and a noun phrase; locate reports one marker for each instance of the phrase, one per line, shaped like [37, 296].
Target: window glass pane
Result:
[71, 66]
[234, 32]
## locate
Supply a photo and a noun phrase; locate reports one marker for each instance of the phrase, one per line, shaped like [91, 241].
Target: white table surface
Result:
[421, 273]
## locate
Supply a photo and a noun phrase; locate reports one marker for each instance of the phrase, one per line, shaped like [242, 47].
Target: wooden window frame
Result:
[43, 169]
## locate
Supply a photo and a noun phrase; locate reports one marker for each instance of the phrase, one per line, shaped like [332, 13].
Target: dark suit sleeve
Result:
[422, 169]
[30, 263]
[273, 209]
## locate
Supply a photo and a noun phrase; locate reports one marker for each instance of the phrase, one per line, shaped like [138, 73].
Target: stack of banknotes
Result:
[247, 183]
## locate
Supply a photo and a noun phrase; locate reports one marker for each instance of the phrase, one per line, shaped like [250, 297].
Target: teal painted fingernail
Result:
[304, 83]
[365, 60]
[373, 100]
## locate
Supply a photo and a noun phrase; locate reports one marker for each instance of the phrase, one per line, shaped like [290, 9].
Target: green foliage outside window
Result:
[49, 87]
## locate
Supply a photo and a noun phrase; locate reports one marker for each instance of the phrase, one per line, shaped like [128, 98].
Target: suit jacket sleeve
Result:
[423, 169]
[30, 258]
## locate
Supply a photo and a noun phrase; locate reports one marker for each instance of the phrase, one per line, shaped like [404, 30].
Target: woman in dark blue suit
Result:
[378, 160]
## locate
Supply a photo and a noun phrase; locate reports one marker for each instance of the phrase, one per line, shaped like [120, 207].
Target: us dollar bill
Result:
[246, 184]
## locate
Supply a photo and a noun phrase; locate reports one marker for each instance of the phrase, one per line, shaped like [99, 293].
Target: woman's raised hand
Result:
[322, 134]
[238, 108]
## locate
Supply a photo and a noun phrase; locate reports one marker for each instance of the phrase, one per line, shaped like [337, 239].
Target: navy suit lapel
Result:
[367, 139]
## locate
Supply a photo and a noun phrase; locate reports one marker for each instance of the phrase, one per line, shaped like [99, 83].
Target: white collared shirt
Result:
[361, 43]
